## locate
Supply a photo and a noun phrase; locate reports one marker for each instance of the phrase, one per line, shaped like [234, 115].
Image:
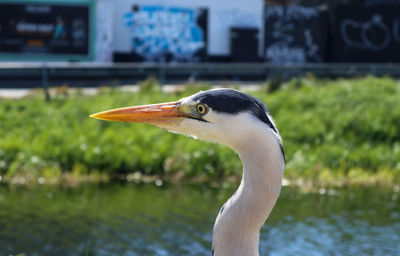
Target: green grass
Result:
[334, 132]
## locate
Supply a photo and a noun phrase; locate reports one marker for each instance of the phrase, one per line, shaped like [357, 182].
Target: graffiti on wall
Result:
[294, 34]
[366, 33]
[160, 33]
[373, 34]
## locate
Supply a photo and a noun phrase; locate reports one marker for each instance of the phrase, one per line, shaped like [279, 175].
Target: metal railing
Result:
[21, 75]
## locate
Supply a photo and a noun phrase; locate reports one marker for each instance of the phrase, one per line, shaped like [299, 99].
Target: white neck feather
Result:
[237, 227]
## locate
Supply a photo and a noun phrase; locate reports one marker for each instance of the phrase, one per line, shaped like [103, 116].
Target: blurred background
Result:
[70, 185]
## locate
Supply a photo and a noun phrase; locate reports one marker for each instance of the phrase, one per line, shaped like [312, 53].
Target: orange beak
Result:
[151, 114]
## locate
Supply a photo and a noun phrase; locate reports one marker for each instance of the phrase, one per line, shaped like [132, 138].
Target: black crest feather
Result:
[233, 102]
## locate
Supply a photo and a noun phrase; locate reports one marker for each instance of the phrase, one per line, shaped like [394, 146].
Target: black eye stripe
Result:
[198, 118]
[233, 102]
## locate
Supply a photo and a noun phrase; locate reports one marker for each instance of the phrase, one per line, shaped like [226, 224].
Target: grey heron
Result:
[243, 123]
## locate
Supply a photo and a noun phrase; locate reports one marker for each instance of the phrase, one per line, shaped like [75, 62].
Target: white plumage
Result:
[241, 123]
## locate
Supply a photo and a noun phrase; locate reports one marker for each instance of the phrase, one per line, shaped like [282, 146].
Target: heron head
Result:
[224, 116]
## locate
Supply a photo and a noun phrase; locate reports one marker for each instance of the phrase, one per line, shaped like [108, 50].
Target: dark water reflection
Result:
[177, 220]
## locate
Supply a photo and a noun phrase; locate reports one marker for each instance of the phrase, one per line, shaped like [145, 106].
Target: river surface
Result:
[129, 219]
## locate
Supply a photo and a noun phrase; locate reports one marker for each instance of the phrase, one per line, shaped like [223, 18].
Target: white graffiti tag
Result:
[283, 48]
[373, 34]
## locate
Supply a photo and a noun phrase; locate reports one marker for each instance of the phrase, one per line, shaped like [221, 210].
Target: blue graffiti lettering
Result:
[157, 31]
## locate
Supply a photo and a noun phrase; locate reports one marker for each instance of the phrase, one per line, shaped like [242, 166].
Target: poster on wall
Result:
[44, 29]
[295, 34]
[167, 34]
[366, 33]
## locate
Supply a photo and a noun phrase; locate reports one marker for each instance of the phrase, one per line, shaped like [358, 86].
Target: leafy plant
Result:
[331, 129]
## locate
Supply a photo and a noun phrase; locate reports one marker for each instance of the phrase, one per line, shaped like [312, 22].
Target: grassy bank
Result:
[334, 132]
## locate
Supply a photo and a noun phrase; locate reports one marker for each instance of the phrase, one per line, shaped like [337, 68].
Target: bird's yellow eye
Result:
[201, 109]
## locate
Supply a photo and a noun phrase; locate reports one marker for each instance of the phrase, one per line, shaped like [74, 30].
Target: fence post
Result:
[45, 80]
[161, 72]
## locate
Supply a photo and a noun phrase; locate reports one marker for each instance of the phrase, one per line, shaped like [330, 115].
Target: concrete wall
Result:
[112, 35]
[104, 42]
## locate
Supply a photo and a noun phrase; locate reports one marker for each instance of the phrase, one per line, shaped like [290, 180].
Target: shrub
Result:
[327, 126]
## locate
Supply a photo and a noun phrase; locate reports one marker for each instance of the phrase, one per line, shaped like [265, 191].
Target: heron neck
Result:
[237, 228]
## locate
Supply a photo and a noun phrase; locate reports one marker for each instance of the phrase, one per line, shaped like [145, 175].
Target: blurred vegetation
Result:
[150, 85]
[334, 131]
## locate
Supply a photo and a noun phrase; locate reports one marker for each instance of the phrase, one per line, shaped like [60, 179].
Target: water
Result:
[127, 219]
